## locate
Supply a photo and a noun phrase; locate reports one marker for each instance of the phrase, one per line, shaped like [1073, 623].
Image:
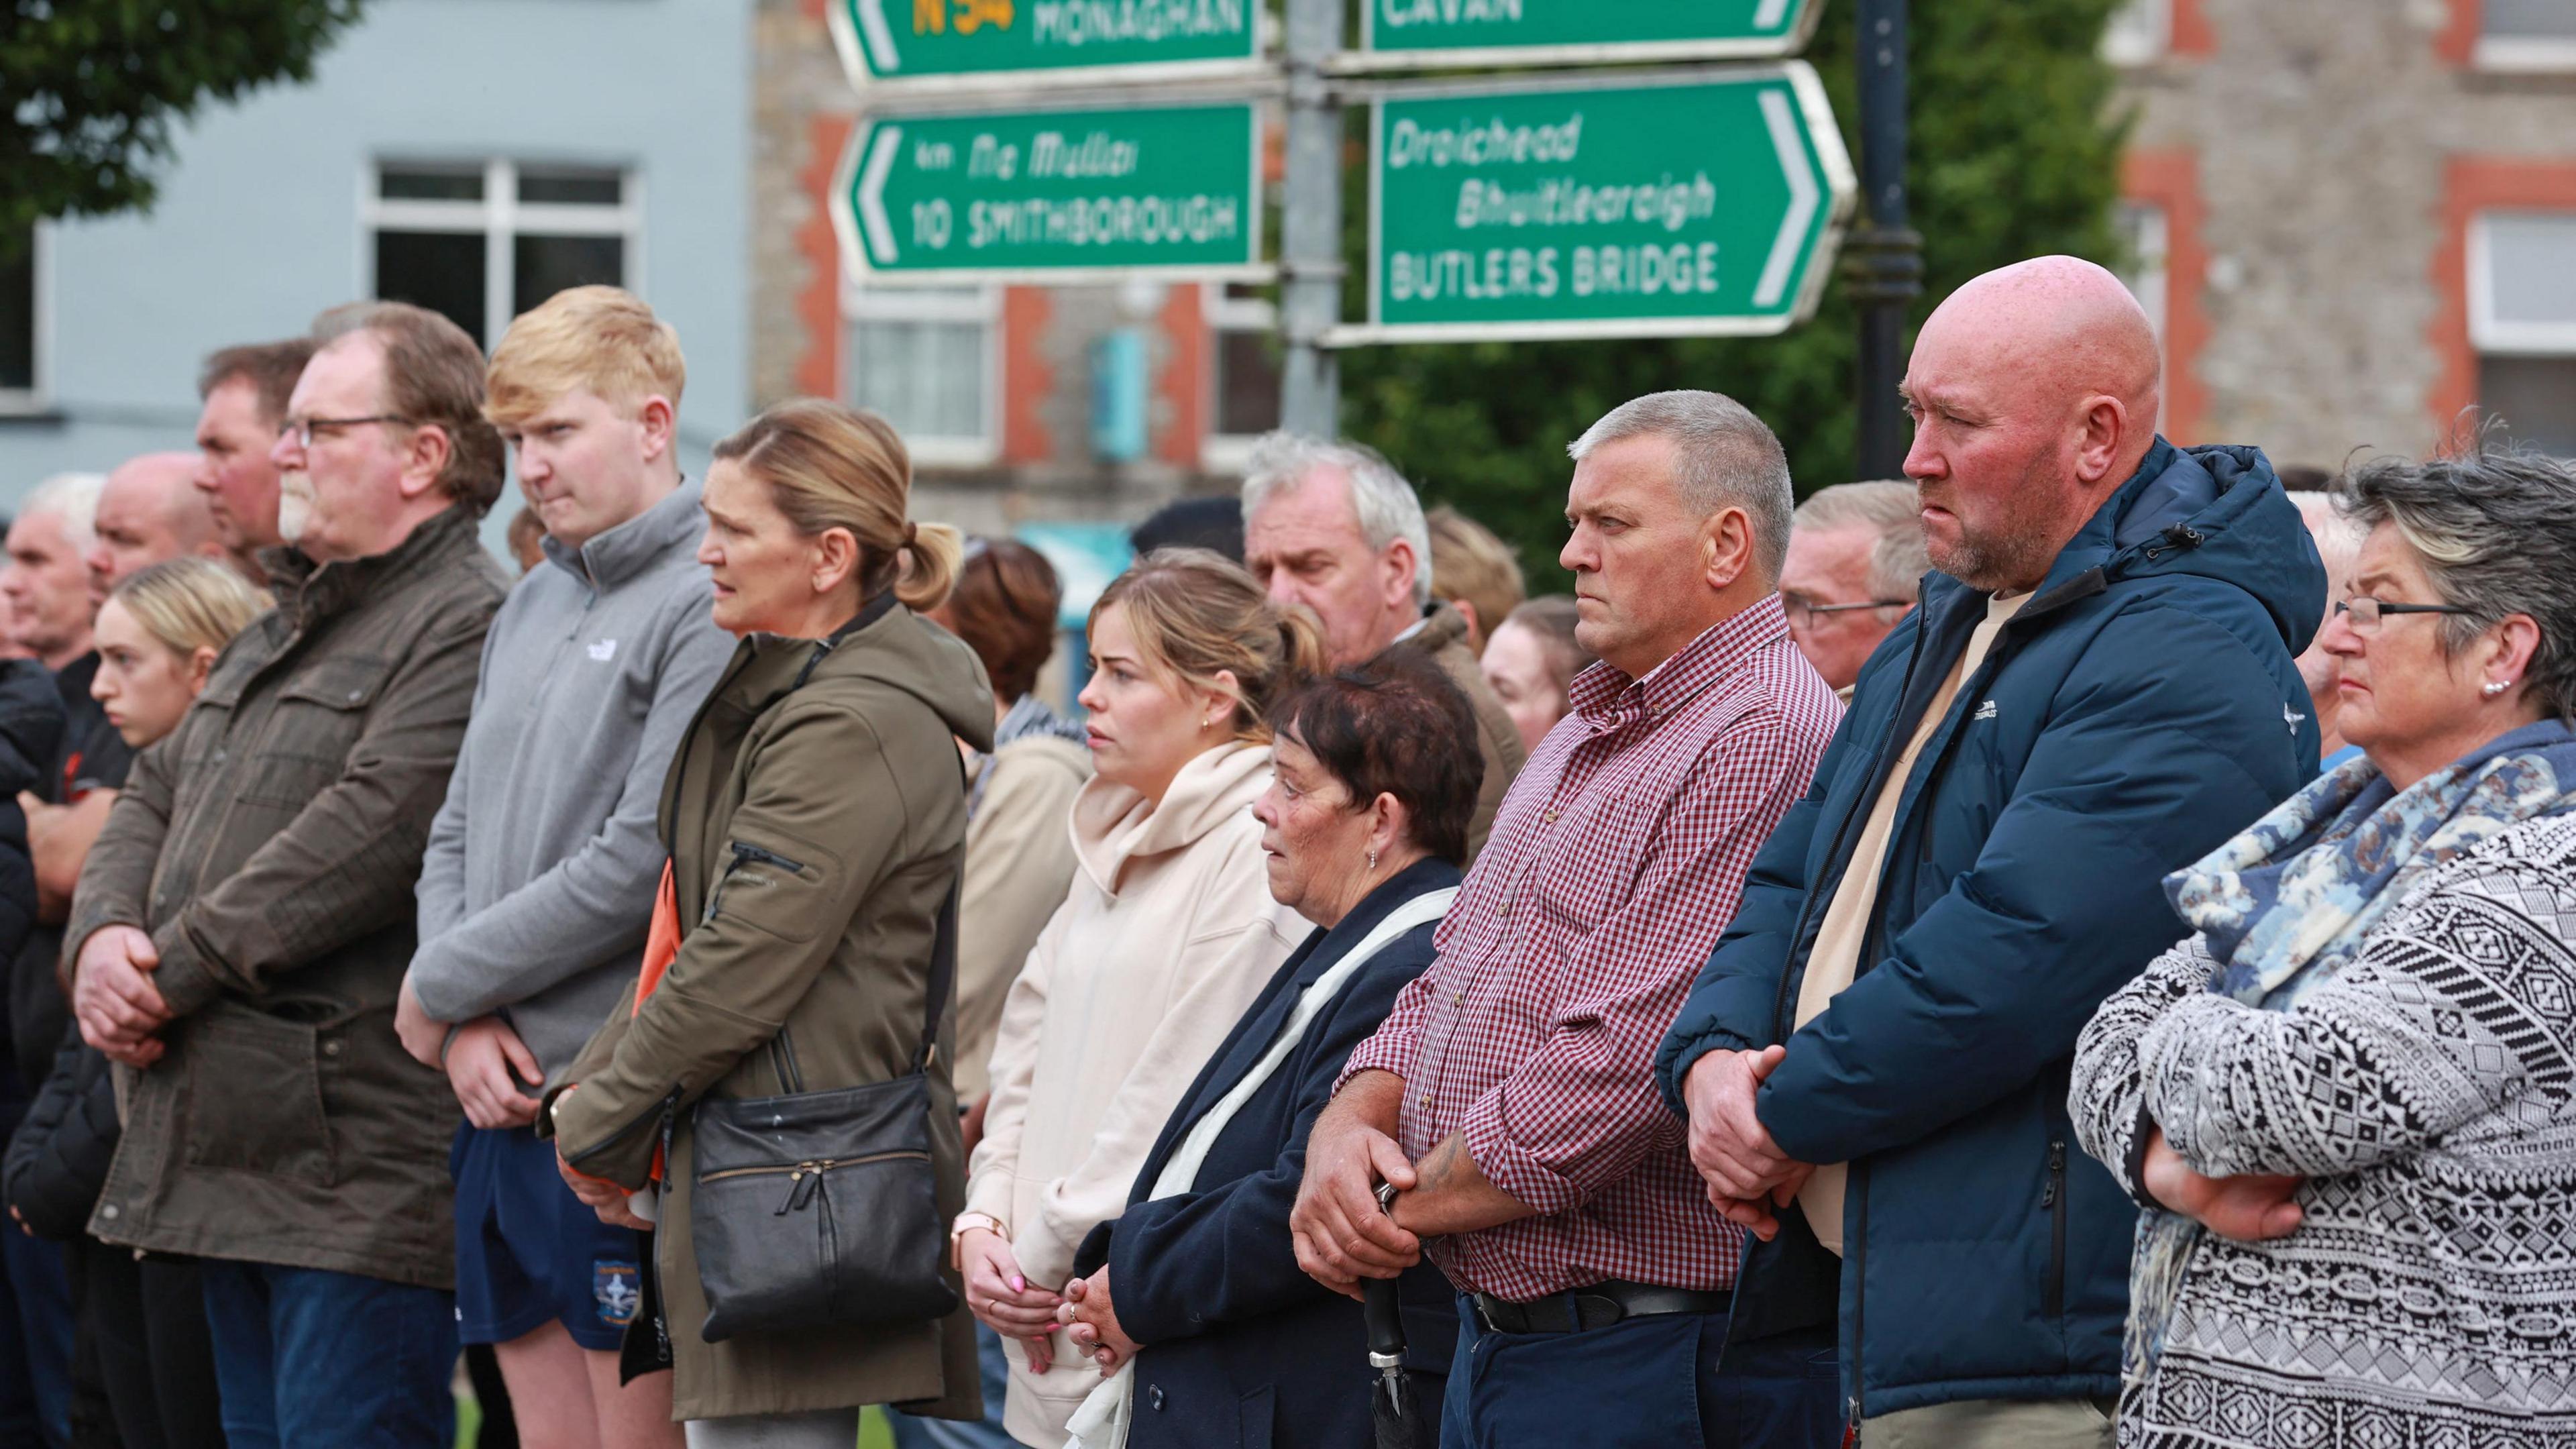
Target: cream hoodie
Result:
[1169, 934]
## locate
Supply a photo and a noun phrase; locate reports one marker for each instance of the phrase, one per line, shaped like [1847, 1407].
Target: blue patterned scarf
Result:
[2284, 905]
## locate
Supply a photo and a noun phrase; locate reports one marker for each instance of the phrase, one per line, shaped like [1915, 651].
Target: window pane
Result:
[926, 377]
[546, 265]
[1247, 382]
[2529, 19]
[18, 316]
[2536, 397]
[442, 271]
[430, 183]
[2528, 266]
[566, 186]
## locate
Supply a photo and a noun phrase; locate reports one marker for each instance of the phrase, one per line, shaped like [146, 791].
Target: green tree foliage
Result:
[91, 88]
[2014, 153]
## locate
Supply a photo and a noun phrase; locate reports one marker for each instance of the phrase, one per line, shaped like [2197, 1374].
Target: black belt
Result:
[1596, 1306]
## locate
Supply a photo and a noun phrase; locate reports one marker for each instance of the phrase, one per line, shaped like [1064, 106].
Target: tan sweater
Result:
[1169, 934]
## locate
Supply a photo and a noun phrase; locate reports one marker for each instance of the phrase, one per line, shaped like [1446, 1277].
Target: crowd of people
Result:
[2073, 947]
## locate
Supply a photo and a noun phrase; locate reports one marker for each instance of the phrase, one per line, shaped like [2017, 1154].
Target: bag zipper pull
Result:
[802, 1195]
[795, 1185]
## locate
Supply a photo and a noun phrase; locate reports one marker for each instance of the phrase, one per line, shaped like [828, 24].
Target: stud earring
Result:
[2495, 687]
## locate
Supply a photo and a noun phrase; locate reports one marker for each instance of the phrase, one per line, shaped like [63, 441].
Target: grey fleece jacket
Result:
[538, 884]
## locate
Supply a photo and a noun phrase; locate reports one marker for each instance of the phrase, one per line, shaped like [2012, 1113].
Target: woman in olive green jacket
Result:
[816, 817]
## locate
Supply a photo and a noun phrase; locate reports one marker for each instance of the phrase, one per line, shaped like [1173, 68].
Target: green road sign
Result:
[1053, 196]
[963, 44]
[1689, 203]
[1415, 33]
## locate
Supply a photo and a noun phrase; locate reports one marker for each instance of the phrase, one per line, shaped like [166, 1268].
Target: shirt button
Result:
[1550, 817]
[1424, 1101]
[356, 694]
[330, 1048]
[108, 1212]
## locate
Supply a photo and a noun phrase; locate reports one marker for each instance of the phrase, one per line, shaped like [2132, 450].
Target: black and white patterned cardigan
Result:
[2428, 1094]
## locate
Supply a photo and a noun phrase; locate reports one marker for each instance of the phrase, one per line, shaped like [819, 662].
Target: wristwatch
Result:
[966, 1223]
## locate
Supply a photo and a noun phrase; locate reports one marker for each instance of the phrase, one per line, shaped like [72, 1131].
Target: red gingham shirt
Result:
[1614, 864]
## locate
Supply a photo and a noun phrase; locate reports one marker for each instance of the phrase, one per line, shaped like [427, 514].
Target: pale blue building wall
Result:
[258, 225]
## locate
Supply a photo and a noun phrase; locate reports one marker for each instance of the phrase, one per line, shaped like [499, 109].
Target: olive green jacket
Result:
[815, 831]
[270, 845]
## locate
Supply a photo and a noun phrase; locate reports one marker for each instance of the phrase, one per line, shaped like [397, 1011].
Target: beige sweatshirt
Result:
[1169, 934]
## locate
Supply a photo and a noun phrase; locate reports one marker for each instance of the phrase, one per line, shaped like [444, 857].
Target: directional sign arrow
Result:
[1449, 33]
[1058, 195]
[1703, 202]
[941, 45]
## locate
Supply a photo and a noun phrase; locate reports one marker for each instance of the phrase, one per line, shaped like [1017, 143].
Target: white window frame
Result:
[39, 396]
[980, 306]
[2522, 54]
[2492, 335]
[499, 218]
[2144, 43]
[1229, 454]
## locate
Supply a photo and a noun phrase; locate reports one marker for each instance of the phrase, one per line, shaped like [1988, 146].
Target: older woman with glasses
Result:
[2348, 1099]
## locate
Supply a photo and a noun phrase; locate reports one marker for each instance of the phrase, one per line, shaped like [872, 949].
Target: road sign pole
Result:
[1310, 233]
[1885, 256]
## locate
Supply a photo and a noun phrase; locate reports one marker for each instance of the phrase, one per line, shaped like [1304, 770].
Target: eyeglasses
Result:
[1802, 612]
[2366, 612]
[303, 429]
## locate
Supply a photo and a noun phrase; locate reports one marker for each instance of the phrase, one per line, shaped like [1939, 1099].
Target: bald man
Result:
[150, 510]
[2096, 689]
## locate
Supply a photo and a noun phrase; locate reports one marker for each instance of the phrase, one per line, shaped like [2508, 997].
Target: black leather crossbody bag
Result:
[820, 1209]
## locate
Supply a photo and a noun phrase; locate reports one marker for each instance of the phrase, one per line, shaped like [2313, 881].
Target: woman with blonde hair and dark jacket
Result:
[776, 1090]
[1169, 934]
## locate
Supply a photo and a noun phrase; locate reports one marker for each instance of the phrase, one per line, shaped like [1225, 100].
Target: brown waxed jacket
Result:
[815, 831]
[1443, 636]
[270, 846]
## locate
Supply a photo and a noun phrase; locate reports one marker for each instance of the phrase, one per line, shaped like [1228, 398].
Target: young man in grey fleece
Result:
[541, 870]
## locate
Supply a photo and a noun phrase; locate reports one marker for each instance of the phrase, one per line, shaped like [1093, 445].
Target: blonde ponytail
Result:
[931, 557]
[1197, 614]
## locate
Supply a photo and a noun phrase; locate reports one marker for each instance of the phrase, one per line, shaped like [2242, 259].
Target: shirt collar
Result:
[1607, 698]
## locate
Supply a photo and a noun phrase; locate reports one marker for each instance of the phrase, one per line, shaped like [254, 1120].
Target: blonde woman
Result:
[816, 818]
[157, 637]
[1169, 933]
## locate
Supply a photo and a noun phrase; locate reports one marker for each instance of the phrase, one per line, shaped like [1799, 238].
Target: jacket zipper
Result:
[2052, 1296]
[1858, 1248]
[805, 1179]
[746, 855]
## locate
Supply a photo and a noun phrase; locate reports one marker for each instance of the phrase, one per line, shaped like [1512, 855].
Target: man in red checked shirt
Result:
[1509, 1100]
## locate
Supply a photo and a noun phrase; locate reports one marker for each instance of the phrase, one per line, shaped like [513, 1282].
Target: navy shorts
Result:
[527, 1250]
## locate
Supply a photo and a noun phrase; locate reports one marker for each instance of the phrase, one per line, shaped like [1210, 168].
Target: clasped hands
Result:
[120, 1010]
[1749, 1176]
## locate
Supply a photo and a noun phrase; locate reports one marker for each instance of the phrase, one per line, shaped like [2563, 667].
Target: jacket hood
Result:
[902, 650]
[1113, 824]
[2218, 512]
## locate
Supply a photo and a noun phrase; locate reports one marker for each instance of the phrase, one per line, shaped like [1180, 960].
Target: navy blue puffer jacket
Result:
[2138, 710]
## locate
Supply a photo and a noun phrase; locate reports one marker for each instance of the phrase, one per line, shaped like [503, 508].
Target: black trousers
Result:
[146, 1322]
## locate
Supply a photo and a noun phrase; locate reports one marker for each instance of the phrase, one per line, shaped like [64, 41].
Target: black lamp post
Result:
[1883, 257]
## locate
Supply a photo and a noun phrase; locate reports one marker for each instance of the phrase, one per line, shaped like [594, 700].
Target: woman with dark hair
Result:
[2347, 1100]
[1191, 1302]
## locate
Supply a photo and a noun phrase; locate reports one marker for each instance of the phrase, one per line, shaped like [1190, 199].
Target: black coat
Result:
[57, 1160]
[31, 733]
[1241, 1347]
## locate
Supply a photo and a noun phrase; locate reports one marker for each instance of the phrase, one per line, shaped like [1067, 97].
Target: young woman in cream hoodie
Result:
[1168, 935]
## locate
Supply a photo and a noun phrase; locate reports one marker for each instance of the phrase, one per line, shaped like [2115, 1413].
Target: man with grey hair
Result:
[1506, 1108]
[1856, 560]
[1333, 527]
